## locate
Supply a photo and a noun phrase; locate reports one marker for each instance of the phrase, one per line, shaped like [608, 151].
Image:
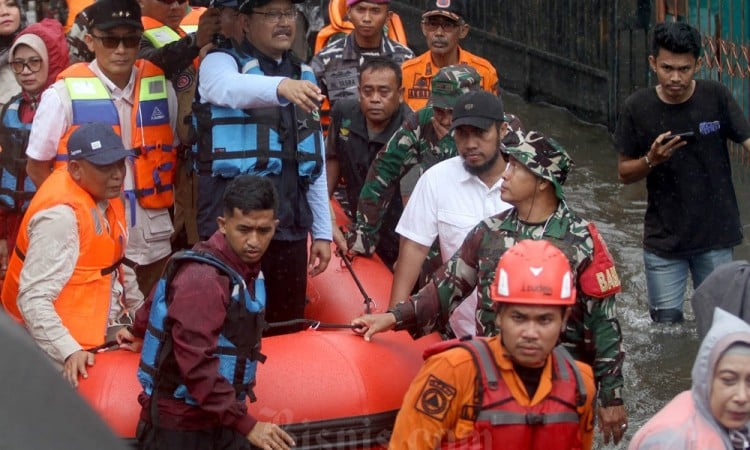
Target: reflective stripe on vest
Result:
[16, 188]
[83, 303]
[151, 132]
[238, 352]
[161, 36]
[233, 142]
[551, 424]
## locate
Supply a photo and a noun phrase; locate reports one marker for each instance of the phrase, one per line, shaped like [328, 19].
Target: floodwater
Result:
[659, 358]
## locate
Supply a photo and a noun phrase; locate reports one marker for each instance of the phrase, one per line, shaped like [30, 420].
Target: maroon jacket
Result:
[200, 297]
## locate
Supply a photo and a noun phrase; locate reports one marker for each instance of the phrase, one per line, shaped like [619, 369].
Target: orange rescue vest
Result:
[501, 422]
[83, 303]
[151, 134]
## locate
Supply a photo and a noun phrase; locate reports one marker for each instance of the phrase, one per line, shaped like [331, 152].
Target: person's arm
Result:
[411, 255]
[50, 259]
[50, 124]
[746, 145]
[172, 58]
[428, 310]
[222, 84]
[322, 234]
[631, 169]
[418, 228]
[391, 163]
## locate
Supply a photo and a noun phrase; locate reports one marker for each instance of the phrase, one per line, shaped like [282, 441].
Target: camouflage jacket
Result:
[593, 332]
[416, 142]
[336, 66]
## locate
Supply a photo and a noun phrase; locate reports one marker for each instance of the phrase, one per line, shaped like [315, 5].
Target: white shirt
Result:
[448, 202]
[149, 234]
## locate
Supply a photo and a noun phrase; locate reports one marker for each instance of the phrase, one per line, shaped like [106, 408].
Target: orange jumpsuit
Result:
[432, 406]
[418, 73]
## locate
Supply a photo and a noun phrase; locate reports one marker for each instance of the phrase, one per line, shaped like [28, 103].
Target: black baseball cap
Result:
[97, 143]
[452, 9]
[479, 109]
[107, 14]
[246, 6]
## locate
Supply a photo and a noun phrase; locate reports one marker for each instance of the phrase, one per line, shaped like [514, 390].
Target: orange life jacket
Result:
[152, 136]
[84, 302]
[500, 422]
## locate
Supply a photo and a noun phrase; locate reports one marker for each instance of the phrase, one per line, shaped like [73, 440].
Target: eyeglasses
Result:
[275, 16]
[34, 64]
[172, 2]
[447, 25]
[114, 41]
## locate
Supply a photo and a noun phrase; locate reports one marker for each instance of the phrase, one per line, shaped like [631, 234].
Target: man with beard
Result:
[259, 116]
[533, 183]
[443, 26]
[453, 196]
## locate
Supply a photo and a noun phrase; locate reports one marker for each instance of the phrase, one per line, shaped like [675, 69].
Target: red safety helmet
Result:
[534, 273]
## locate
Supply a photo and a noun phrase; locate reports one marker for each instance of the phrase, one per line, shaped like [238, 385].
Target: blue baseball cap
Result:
[98, 144]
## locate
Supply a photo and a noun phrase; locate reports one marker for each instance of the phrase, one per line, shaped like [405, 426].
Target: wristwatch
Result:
[399, 318]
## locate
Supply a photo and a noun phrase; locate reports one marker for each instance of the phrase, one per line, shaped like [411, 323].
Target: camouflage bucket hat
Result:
[544, 157]
[451, 82]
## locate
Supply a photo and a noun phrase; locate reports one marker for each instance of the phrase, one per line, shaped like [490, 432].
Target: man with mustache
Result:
[443, 26]
[336, 65]
[361, 127]
[483, 393]
[684, 175]
[259, 116]
[65, 270]
[533, 183]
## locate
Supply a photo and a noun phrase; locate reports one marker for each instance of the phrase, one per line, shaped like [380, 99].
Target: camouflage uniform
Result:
[592, 333]
[416, 142]
[336, 68]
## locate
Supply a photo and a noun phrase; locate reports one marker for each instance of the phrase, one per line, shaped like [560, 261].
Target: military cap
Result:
[451, 82]
[544, 157]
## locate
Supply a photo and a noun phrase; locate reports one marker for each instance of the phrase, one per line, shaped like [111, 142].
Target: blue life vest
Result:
[233, 142]
[238, 347]
[16, 189]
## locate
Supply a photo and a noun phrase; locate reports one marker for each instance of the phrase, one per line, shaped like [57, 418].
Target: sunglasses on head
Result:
[114, 41]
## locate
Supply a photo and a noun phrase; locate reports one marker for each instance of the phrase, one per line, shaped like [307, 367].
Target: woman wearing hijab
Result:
[715, 412]
[11, 22]
[38, 54]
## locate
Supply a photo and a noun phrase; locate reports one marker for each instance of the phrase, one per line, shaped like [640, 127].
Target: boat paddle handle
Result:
[348, 265]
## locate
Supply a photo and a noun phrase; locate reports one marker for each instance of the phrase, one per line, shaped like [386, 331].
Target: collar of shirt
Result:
[555, 227]
[352, 51]
[125, 94]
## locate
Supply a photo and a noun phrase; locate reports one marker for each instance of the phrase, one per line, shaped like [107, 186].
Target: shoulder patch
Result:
[435, 398]
[600, 279]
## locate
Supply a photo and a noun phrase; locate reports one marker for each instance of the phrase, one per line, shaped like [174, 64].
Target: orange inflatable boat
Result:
[328, 388]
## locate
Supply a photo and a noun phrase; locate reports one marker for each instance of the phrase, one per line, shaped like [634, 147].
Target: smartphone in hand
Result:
[688, 137]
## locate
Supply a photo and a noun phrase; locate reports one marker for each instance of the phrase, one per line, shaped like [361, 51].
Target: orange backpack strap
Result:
[600, 279]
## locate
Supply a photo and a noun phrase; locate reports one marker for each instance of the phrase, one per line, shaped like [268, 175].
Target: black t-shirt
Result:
[692, 207]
